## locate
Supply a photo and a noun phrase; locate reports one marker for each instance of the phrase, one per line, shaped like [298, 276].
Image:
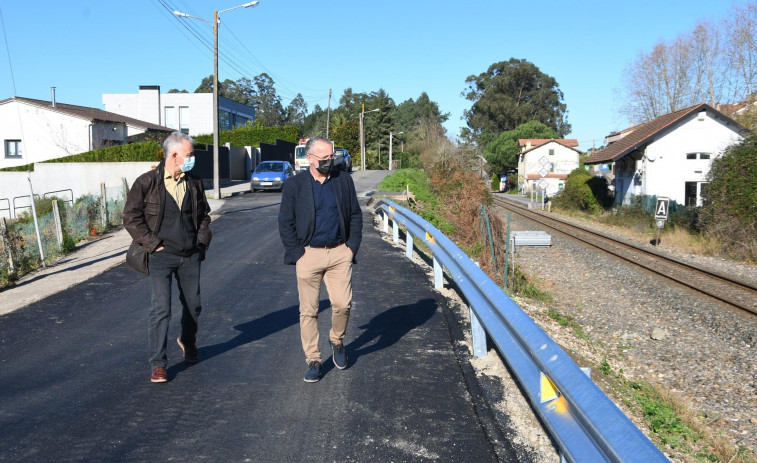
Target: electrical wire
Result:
[229, 54]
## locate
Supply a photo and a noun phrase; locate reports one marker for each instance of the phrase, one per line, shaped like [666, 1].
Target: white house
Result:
[669, 156]
[555, 158]
[37, 130]
[191, 113]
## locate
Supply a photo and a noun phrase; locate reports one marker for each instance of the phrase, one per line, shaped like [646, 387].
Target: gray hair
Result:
[312, 141]
[176, 138]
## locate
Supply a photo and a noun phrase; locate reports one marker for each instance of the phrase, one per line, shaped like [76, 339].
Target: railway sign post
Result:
[543, 172]
[660, 216]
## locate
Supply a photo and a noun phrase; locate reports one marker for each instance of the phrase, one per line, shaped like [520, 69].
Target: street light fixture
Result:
[216, 21]
[362, 136]
[390, 148]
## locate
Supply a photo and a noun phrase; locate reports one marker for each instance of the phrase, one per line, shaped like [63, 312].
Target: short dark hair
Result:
[312, 141]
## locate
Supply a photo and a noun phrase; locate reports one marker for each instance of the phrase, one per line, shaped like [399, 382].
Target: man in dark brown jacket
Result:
[166, 212]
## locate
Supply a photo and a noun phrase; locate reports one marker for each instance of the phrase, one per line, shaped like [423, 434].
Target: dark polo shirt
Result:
[326, 214]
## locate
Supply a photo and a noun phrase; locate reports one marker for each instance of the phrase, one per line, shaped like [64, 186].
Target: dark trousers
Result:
[164, 266]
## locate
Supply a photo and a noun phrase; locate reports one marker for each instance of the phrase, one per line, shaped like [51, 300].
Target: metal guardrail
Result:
[583, 422]
[6, 208]
[28, 206]
[70, 193]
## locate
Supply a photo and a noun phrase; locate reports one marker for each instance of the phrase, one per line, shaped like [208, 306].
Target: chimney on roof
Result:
[52, 98]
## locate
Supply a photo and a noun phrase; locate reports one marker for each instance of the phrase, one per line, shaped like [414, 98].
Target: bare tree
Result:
[709, 65]
[742, 49]
[714, 63]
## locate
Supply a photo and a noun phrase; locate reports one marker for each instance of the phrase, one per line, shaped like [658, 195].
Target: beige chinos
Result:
[333, 266]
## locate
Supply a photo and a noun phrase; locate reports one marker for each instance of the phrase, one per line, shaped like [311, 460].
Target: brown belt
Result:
[328, 247]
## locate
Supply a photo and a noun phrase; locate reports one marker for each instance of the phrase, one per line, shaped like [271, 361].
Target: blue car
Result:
[270, 175]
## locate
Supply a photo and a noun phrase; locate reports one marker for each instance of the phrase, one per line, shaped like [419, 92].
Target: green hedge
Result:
[252, 135]
[135, 152]
[24, 168]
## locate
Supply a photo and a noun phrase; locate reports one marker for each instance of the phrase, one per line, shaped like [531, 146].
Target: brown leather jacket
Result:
[143, 212]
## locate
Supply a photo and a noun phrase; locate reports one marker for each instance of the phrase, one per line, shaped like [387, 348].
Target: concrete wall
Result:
[83, 178]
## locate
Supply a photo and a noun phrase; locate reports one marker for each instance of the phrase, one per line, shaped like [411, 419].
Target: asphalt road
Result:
[74, 376]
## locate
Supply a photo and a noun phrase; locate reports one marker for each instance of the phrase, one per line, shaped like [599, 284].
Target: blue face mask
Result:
[189, 163]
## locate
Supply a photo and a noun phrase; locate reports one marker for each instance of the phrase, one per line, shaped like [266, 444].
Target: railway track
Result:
[739, 294]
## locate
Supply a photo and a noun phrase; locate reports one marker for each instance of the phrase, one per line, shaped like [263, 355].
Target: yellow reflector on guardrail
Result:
[548, 389]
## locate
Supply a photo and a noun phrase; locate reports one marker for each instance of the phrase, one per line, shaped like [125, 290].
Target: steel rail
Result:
[737, 293]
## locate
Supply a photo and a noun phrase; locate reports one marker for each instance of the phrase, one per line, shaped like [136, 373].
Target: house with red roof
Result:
[544, 164]
[669, 156]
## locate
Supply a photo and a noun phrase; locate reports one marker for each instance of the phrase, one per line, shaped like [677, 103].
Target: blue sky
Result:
[86, 48]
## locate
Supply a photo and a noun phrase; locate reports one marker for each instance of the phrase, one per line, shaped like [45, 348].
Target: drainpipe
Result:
[52, 98]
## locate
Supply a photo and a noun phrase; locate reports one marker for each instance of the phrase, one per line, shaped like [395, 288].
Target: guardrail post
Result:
[6, 243]
[395, 231]
[386, 222]
[477, 331]
[58, 226]
[478, 334]
[408, 245]
[438, 275]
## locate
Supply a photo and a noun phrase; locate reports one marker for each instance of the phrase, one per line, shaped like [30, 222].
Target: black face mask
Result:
[325, 166]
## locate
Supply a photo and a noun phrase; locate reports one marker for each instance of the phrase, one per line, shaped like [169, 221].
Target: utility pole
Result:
[362, 140]
[328, 115]
[216, 21]
[216, 129]
[362, 135]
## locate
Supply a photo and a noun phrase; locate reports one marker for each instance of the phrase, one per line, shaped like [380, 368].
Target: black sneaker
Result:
[339, 355]
[313, 375]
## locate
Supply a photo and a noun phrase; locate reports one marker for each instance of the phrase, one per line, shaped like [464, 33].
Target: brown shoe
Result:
[190, 352]
[158, 375]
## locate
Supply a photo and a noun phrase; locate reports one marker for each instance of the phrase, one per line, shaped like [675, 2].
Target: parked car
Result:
[342, 159]
[270, 175]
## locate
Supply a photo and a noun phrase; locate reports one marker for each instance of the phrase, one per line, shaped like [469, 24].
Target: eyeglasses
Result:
[328, 156]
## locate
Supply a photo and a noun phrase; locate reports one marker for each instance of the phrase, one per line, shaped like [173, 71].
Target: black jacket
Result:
[145, 207]
[297, 213]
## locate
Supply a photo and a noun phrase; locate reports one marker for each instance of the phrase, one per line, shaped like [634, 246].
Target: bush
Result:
[415, 179]
[729, 211]
[24, 168]
[252, 135]
[148, 151]
[495, 182]
[578, 192]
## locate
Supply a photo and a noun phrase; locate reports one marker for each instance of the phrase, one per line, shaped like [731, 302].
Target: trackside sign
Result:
[661, 209]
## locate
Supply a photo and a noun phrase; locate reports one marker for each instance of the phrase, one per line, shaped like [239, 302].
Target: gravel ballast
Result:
[644, 326]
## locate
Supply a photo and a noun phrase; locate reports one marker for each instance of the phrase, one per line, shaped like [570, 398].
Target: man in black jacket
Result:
[167, 213]
[321, 226]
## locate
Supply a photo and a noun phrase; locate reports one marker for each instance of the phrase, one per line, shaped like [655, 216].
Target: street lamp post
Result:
[216, 22]
[362, 136]
[390, 148]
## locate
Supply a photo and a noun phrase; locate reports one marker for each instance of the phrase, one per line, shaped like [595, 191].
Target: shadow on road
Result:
[250, 331]
[390, 326]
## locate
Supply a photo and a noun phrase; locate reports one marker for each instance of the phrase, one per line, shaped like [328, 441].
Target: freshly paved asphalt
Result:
[74, 377]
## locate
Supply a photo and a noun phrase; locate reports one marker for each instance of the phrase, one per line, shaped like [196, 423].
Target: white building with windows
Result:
[669, 156]
[191, 113]
[553, 157]
[38, 130]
